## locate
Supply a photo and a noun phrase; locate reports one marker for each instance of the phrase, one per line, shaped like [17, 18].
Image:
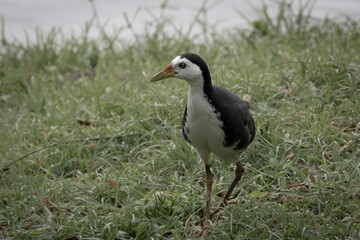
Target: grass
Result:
[302, 172]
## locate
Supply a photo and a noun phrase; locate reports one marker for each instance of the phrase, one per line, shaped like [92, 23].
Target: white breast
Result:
[205, 128]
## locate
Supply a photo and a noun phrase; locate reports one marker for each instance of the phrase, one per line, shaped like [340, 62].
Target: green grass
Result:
[302, 172]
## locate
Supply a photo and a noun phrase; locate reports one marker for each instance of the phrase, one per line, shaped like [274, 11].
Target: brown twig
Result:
[6, 167]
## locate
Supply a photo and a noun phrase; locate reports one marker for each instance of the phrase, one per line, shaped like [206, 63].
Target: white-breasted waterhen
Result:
[215, 120]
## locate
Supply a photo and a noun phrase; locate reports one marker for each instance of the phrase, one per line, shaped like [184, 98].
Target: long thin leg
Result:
[238, 174]
[239, 171]
[209, 183]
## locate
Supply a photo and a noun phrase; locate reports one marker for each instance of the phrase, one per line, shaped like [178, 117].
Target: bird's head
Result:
[187, 66]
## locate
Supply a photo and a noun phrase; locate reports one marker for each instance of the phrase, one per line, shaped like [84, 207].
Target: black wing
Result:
[239, 126]
[185, 130]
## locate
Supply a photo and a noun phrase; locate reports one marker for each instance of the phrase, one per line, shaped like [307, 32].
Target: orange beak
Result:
[168, 72]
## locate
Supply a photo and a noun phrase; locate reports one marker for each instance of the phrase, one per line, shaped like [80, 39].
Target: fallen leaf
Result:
[302, 184]
[311, 177]
[92, 147]
[29, 225]
[287, 197]
[290, 155]
[111, 182]
[83, 123]
[46, 201]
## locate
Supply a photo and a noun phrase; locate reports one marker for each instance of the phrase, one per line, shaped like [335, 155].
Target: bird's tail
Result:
[247, 98]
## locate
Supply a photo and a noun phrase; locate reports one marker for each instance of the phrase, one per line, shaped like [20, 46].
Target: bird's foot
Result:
[211, 214]
[202, 232]
[221, 207]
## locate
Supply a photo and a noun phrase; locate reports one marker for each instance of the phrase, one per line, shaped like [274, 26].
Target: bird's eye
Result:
[182, 65]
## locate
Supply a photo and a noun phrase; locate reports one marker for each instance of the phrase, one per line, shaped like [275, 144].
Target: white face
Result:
[186, 70]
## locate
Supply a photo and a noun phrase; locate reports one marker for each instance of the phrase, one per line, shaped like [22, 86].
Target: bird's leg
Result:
[209, 183]
[238, 174]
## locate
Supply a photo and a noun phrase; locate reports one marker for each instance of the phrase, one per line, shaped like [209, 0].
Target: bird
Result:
[215, 120]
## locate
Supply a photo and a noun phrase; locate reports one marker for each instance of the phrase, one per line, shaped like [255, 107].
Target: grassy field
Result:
[302, 172]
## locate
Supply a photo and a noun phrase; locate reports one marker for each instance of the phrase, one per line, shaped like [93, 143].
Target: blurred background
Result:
[22, 18]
